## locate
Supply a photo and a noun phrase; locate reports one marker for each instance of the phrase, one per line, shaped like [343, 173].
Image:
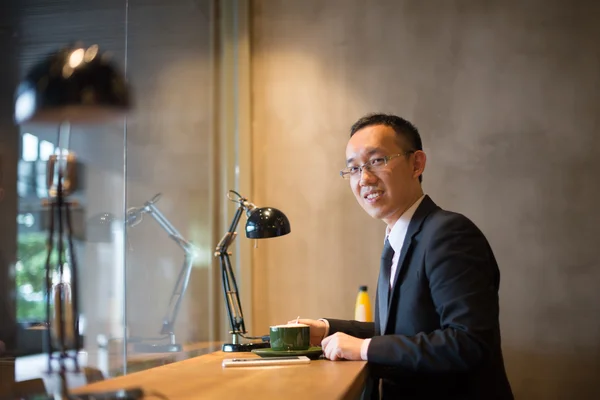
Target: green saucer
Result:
[312, 352]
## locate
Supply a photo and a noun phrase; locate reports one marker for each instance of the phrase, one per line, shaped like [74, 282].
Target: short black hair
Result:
[406, 131]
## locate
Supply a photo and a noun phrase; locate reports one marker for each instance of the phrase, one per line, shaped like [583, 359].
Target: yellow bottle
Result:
[362, 311]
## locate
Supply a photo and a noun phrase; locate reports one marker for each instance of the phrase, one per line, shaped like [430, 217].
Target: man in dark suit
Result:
[436, 330]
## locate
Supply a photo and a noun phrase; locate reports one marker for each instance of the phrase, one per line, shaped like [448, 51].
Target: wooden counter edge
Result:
[354, 391]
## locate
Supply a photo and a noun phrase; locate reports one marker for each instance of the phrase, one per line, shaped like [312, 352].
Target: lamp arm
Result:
[177, 296]
[232, 298]
[230, 289]
[173, 233]
[230, 235]
[184, 274]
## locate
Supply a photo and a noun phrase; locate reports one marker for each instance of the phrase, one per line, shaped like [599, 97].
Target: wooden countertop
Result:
[203, 377]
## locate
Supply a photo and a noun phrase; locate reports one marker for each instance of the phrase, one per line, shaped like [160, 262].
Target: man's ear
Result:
[419, 164]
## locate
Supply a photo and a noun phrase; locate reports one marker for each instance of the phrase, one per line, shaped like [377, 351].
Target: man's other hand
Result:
[341, 346]
[317, 329]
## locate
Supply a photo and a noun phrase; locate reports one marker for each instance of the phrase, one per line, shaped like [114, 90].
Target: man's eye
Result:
[377, 162]
[353, 170]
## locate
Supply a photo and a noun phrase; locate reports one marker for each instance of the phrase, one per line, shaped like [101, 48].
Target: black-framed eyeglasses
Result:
[373, 165]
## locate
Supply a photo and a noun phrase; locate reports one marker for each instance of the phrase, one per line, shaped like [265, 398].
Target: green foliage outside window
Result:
[31, 275]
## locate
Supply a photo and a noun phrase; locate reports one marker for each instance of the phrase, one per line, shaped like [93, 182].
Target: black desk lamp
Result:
[73, 85]
[262, 223]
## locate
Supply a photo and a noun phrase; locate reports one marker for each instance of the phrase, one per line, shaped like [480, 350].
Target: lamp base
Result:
[244, 347]
[157, 348]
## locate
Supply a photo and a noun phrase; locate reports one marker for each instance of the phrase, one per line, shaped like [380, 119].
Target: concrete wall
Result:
[506, 96]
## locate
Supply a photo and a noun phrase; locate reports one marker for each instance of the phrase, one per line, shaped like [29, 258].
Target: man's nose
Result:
[367, 177]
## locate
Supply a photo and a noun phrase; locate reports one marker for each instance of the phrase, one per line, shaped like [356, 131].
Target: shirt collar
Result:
[398, 232]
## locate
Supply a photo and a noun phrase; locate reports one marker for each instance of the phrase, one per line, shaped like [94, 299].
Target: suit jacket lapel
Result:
[425, 208]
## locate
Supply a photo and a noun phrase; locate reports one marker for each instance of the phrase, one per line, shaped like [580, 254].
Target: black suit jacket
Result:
[441, 331]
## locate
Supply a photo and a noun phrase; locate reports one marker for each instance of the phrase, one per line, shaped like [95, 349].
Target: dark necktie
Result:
[384, 283]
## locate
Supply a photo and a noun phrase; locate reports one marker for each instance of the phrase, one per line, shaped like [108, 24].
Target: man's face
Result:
[386, 193]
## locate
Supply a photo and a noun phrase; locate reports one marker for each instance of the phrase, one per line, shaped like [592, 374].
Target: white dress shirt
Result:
[396, 237]
[397, 234]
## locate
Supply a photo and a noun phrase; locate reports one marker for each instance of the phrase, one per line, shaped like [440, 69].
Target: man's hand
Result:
[317, 329]
[340, 346]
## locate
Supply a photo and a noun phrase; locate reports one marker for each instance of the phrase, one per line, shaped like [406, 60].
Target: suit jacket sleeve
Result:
[362, 330]
[463, 281]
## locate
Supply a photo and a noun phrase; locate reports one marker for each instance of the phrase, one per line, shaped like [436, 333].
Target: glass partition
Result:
[168, 171]
[97, 201]
[142, 225]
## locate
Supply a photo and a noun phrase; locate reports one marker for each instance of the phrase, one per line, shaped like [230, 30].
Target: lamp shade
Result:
[267, 222]
[75, 84]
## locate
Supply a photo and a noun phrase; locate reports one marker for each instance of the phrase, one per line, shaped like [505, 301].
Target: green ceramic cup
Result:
[291, 337]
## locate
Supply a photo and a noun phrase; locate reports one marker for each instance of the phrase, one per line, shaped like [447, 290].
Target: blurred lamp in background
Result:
[73, 85]
[76, 85]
